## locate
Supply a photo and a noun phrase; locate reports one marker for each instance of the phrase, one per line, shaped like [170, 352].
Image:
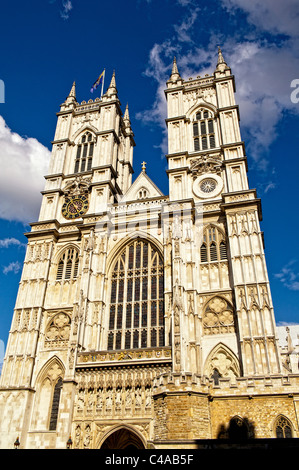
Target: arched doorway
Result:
[123, 439]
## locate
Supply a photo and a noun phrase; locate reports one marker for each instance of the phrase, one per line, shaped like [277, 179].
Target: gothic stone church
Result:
[145, 319]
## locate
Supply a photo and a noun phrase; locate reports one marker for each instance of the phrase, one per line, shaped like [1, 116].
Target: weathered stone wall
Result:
[260, 414]
[180, 416]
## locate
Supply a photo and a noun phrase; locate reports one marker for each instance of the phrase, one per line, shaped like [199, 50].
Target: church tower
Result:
[145, 319]
[227, 270]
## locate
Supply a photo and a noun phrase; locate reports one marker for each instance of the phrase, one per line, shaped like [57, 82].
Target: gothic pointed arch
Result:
[240, 429]
[222, 363]
[201, 103]
[214, 244]
[203, 126]
[122, 437]
[52, 369]
[84, 141]
[283, 427]
[47, 398]
[115, 251]
[67, 263]
[85, 128]
[136, 296]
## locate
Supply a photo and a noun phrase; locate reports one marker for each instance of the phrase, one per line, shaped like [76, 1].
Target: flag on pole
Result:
[98, 82]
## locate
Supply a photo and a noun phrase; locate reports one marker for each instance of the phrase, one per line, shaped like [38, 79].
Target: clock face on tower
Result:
[74, 207]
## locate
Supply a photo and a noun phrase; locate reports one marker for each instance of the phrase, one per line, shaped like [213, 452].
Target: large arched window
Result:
[84, 153]
[68, 265]
[213, 247]
[136, 317]
[204, 130]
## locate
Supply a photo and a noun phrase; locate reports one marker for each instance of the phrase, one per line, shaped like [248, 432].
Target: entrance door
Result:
[123, 439]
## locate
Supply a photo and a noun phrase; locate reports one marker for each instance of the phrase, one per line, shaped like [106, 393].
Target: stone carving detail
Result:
[206, 164]
[58, 331]
[218, 317]
[114, 394]
[222, 360]
[243, 223]
[77, 186]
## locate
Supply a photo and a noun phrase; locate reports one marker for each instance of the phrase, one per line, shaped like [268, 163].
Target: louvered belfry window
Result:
[68, 265]
[213, 247]
[84, 154]
[136, 316]
[204, 131]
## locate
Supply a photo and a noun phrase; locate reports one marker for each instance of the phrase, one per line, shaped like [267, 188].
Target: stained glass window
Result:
[137, 295]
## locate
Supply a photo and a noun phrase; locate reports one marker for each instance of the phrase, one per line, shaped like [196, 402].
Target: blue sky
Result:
[47, 44]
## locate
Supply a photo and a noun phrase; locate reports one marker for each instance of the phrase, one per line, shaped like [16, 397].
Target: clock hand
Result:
[77, 207]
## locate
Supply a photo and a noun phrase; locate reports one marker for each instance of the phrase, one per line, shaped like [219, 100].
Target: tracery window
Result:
[136, 317]
[218, 317]
[58, 331]
[213, 247]
[84, 153]
[283, 428]
[68, 265]
[204, 130]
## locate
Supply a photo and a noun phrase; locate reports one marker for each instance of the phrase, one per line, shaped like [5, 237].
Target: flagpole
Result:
[103, 83]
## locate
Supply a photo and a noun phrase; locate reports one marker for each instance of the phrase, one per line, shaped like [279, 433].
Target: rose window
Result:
[208, 185]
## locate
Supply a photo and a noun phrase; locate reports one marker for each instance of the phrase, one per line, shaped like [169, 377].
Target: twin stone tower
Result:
[145, 319]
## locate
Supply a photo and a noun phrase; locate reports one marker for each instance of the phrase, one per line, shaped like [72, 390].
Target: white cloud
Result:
[184, 29]
[275, 16]
[24, 162]
[289, 276]
[264, 69]
[269, 186]
[6, 242]
[14, 267]
[67, 7]
[263, 73]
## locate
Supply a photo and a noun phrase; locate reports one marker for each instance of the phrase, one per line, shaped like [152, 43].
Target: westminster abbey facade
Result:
[144, 319]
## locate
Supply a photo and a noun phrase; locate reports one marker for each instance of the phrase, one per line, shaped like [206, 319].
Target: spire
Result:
[112, 87]
[175, 76]
[72, 93]
[126, 116]
[221, 64]
[127, 121]
[71, 98]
